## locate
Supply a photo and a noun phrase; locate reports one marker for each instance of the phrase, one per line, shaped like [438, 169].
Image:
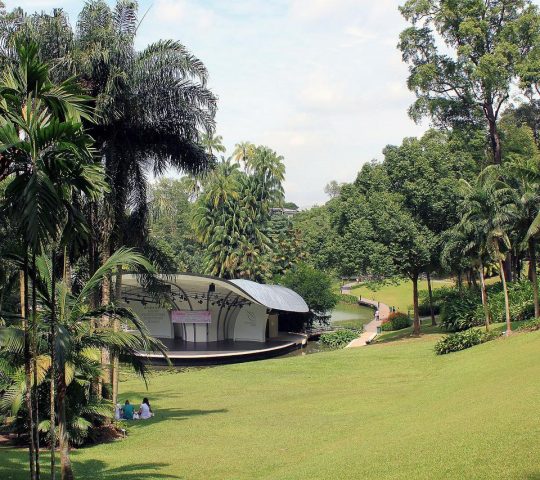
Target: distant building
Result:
[288, 212]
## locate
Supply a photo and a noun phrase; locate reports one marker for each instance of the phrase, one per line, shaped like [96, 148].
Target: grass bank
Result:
[389, 411]
[400, 295]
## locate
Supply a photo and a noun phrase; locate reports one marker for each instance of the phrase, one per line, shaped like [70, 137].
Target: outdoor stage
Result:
[182, 353]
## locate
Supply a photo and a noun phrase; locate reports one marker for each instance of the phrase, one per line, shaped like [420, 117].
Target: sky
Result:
[321, 82]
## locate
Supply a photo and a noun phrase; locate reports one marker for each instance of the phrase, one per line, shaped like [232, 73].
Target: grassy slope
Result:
[399, 296]
[382, 412]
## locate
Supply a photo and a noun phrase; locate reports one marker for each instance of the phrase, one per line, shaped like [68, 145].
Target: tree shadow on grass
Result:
[178, 414]
[96, 469]
[14, 466]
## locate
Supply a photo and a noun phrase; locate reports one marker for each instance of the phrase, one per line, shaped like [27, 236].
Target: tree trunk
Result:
[494, 138]
[506, 300]
[416, 322]
[65, 461]
[116, 328]
[507, 266]
[105, 355]
[532, 275]
[460, 281]
[23, 279]
[483, 290]
[52, 347]
[473, 277]
[35, 389]
[430, 293]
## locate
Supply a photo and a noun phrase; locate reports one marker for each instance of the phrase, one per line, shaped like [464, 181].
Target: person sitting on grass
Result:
[145, 411]
[127, 411]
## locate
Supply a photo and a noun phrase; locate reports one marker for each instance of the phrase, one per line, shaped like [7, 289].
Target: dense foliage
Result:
[396, 321]
[462, 340]
[463, 310]
[338, 339]
[314, 286]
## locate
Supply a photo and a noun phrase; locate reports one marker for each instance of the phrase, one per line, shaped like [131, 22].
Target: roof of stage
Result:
[275, 297]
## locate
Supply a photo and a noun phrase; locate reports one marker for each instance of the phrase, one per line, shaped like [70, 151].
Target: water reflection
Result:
[351, 316]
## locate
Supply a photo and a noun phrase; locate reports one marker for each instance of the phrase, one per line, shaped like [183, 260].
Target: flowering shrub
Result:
[396, 321]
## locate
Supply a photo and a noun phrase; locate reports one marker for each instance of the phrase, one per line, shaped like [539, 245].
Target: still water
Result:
[353, 316]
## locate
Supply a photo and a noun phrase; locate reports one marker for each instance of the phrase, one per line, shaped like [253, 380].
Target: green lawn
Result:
[399, 296]
[389, 411]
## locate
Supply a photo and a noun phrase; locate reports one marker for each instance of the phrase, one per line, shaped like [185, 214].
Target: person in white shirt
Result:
[145, 411]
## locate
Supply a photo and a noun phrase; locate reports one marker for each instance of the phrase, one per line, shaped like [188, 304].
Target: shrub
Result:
[348, 299]
[463, 310]
[462, 340]
[531, 325]
[396, 321]
[439, 297]
[338, 339]
[460, 310]
[521, 302]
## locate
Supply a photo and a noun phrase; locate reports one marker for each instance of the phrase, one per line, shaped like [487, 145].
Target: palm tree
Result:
[212, 143]
[230, 220]
[77, 331]
[75, 348]
[487, 213]
[268, 166]
[47, 155]
[523, 175]
[243, 151]
[150, 109]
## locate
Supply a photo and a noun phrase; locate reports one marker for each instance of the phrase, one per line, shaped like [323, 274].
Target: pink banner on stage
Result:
[189, 316]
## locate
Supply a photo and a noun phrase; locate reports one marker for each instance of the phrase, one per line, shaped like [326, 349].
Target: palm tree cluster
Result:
[85, 118]
[500, 220]
[232, 215]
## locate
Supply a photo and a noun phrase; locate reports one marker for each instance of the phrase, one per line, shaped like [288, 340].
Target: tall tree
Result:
[464, 56]
[487, 214]
[47, 154]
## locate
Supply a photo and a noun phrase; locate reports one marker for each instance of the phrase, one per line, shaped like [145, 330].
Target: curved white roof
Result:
[273, 296]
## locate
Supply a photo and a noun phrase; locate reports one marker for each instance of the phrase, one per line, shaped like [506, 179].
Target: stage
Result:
[183, 353]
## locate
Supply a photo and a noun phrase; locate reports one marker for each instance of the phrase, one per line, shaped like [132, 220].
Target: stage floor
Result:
[181, 352]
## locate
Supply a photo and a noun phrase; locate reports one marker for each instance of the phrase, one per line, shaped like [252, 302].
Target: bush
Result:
[439, 297]
[338, 339]
[462, 340]
[348, 299]
[463, 310]
[396, 321]
[521, 302]
[530, 326]
[459, 310]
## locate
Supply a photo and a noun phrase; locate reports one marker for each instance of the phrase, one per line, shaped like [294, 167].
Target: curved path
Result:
[370, 329]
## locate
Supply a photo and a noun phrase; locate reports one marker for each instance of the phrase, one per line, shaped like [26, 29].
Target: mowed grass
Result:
[390, 411]
[399, 296]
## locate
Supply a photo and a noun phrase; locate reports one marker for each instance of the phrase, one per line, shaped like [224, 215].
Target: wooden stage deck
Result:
[182, 353]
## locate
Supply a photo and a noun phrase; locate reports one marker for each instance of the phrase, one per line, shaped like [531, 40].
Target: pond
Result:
[354, 316]
[344, 315]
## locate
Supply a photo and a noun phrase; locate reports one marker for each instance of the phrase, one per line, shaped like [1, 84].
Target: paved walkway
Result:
[370, 329]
